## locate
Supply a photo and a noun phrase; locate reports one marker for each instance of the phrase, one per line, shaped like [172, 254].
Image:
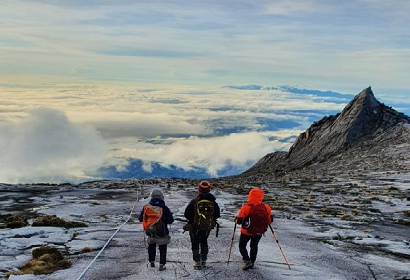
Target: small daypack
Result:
[204, 214]
[152, 221]
[257, 221]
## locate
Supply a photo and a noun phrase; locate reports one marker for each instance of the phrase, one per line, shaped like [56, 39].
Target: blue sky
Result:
[318, 44]
[192, 84]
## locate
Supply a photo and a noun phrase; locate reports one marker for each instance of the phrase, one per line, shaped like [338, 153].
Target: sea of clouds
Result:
[59, 133]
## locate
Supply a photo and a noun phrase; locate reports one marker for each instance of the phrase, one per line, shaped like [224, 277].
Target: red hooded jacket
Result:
[255, 197]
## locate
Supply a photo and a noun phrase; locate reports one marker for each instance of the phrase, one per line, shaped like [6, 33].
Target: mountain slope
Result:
[364, 124]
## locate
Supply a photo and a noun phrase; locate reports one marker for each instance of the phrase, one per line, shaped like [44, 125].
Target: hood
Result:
[157, 193]
[255, 196]
[157, 202]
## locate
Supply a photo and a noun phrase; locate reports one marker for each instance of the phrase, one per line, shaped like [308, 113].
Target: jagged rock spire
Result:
[360, 116]
[364, 117]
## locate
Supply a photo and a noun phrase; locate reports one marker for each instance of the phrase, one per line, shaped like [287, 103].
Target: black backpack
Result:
[204, 214]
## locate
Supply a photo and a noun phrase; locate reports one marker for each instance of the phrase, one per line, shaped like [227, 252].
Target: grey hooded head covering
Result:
[157, 193]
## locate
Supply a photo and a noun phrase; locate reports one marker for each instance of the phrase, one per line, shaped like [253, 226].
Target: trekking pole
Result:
[177, 242]
[277, 242]
[146, 248]
[179, 252]
[230, 249]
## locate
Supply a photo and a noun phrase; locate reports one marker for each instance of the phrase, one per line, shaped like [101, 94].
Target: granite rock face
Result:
[363, 124]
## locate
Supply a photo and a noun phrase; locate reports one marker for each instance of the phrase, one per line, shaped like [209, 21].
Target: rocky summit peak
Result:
[363, 119]
[366, 99]
[361, 103]
[367, 92]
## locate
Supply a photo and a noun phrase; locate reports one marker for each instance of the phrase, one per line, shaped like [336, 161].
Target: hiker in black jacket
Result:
[199, 236]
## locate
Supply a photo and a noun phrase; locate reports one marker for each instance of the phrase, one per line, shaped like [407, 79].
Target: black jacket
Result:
[190, 209]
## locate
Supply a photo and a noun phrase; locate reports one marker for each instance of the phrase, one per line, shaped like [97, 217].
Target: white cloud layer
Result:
[238, 150]
[46, 147]
[57, 132]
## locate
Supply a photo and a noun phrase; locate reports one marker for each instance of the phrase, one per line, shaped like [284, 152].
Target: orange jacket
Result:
[255, 197]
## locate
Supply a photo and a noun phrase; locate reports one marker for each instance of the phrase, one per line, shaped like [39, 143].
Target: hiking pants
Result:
[243, 241]
[199, 238]
[162, 253]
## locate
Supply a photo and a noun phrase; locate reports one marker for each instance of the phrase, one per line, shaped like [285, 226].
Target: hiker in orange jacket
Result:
[254, 218]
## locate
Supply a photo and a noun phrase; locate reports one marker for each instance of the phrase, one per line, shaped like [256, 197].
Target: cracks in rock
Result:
[371, 271]
[357, 257]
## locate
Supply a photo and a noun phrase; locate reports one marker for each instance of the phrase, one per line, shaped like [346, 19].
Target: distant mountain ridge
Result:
[292, 89]
[364, 123]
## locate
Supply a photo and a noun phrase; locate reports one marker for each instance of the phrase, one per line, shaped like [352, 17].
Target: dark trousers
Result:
[199, 239]
[243, 241]
[162, 253]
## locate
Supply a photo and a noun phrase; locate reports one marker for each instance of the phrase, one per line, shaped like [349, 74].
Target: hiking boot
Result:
[252, 264]
[203, 261]
[197, 265]
[162, 267]
[246, 265]
[152, 264]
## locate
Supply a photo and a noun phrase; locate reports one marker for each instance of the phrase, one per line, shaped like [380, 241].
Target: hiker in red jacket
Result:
[254, 217]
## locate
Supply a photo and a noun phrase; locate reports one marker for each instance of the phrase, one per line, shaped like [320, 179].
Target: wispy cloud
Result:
[150, 53]
[45, 146]
[283, 7]
[282, 42]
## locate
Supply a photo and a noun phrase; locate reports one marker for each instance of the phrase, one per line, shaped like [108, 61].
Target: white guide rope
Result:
[109, 240]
